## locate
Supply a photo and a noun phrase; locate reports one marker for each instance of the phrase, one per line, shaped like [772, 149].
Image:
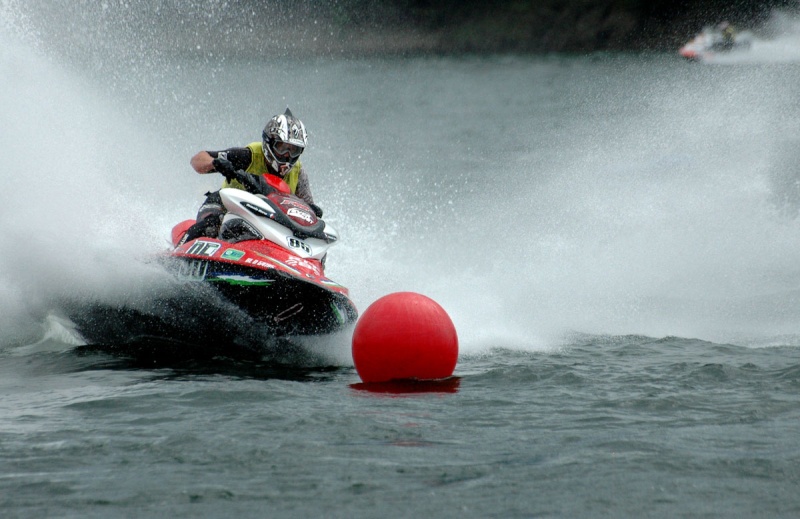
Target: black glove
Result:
[317, 210]
[224, 167]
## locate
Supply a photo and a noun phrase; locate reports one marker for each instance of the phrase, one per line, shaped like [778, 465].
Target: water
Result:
[626, 426]
[614, 236]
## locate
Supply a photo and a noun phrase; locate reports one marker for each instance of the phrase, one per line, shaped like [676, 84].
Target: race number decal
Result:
[194, 270]
[203, 248]
[298, 244]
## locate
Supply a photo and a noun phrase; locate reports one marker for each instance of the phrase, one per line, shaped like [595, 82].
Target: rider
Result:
[282, 142]
[728, 33]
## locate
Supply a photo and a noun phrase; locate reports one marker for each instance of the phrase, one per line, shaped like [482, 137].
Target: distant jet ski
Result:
[714, 41]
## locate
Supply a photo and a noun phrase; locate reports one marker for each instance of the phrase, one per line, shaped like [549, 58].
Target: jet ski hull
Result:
[245, 300]
[260, 283]
[290, 295]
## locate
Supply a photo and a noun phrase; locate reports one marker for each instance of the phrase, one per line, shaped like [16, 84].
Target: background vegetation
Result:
[258, 28]
[550, 25]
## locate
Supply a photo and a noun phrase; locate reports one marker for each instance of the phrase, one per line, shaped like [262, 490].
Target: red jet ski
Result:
[268, 259]
[257, 284]
[713, 42]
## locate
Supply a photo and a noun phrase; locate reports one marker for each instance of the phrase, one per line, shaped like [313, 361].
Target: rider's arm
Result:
[304, 187]
[202, 162]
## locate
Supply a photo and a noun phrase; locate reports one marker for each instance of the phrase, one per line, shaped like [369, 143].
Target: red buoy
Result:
[404, 335]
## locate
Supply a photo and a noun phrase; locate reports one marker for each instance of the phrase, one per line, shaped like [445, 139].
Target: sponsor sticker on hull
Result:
[232, 254]
[259, 263]
[300, 214]
[303, 264]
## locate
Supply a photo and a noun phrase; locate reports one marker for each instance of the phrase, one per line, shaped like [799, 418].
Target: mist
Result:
[532, 197]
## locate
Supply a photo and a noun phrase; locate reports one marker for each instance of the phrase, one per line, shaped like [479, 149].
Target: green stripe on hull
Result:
[242, 282]
[337, 312]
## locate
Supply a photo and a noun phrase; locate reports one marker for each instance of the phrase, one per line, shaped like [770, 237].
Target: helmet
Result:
[284, 139]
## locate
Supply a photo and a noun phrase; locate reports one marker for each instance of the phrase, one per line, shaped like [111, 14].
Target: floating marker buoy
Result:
[404, 335]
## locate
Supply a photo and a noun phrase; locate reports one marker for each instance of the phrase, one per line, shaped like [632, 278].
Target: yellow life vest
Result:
[258, 166]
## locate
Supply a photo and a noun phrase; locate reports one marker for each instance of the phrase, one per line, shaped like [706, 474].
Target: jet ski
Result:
[268, 259]
[259, 282]
[713, 42]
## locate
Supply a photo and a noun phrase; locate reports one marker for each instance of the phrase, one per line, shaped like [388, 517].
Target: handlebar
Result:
[254, 184]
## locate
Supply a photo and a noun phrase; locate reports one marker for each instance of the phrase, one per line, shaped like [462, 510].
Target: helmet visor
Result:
[285, 151]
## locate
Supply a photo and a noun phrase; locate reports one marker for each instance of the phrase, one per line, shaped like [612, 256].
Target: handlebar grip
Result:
[224, 167]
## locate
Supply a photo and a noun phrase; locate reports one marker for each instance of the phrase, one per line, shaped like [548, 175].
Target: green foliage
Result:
[553, 25]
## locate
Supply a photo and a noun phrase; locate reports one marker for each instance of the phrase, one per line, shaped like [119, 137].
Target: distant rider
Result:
[728, 33]
[282, 142]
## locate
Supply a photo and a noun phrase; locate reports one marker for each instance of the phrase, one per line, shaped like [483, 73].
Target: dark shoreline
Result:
[544, 26]
[143, 30]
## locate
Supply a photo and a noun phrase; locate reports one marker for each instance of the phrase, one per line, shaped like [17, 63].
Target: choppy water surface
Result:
[614, 236]
[617, 426]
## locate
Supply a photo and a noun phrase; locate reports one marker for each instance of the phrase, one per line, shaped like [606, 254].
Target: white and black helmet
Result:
[284, 139]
